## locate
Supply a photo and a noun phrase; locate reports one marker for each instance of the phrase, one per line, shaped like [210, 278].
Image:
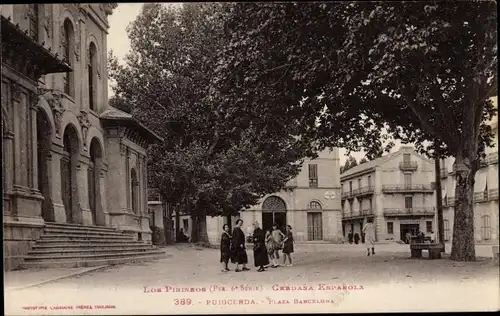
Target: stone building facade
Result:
[395, 190]
[68, 156]
[486, 218]
[311, 205]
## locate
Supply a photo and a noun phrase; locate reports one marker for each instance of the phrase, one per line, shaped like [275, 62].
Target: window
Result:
[313, 175]
[428, 226]
[407, 179]
[350, 186]
[369, 181]
[92, 69]
[68, 44]
[446, 230]
[359, 183]
[314, 205]
[390, 227]
[33, 20]
[370, 204]
[185, 224]
[485, 227]
[406, 158]
[408, 202]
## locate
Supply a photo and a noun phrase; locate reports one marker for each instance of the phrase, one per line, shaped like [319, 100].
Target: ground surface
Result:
[388, 281]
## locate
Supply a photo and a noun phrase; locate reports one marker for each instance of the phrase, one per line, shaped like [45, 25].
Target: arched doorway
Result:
[273, 211]
[69, 184]
[134, 185]
[44, 145]
[94, 184]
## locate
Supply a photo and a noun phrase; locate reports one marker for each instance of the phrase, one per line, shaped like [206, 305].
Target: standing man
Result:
[369, 231]
[238, 251]
[259, 248]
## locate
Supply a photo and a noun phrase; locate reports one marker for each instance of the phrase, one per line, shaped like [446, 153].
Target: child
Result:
[271, 246]
[288, 246]
[369, 231]
[278, 237]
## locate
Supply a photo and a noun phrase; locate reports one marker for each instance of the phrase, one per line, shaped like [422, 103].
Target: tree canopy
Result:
[350, 162]
[215, 160]
[421, 71]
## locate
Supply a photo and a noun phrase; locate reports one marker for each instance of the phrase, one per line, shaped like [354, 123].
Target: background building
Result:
[67, 156]
[395, 190]
[485, 193]
[311, 205]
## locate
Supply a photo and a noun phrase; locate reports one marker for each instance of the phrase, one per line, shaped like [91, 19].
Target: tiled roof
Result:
[114, 113]
[368, 165]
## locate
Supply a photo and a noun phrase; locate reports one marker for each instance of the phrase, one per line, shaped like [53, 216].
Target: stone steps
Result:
[93, 250]
[72, 246]
[90, 263]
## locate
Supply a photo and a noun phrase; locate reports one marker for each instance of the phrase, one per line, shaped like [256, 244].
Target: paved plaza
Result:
[390, 280]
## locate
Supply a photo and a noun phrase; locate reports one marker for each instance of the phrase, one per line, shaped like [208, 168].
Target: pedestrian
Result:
[349, 237]
[259, 248]
[433, 237]
[278, 237]
[225, 248]
[270, 245]
[288, 246]
[238, 251]
[369, 231]
[356, 238]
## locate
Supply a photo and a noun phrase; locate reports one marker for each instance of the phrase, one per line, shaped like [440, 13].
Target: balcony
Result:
[444, 173]
[493, 195]
[492, 158]
[418, 211]
[364, 191]
[357, 214]
[408, 166]
[407, 188]
[451, 201]
[480, 197]
[347, 195]
[367, 212]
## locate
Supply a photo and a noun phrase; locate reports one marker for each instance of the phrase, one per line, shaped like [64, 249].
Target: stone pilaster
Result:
[56, 193]
[83, 193]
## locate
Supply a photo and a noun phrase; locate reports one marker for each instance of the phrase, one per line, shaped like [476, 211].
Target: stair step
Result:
[66, 237]
[88, 245]
[95, 250]
[53, 231]
[91, 263]
[76, 257]
[76, 226]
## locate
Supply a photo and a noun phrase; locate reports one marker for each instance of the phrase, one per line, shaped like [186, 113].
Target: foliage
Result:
[214, 160]
[120, 104]
[363, 160]
[422, 71]
[351, 162]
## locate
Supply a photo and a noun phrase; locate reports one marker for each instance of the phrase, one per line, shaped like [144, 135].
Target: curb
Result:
[73, 274]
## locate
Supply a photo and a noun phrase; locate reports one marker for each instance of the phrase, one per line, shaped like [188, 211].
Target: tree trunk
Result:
[177, 221]
[199, 230]
[463, 246]
[195, 229]
[439, 202]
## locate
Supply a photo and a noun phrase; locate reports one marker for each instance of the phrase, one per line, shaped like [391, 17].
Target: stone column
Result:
[56, 192]
[33, 143]
[127, 177]
[8, 139]
[84, 88]
[16, 100]
[83, 194]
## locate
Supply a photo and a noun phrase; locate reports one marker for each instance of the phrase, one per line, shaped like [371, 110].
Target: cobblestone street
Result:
[384, 279]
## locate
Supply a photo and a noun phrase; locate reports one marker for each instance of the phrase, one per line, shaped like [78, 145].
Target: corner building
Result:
[311, 205]
[395, 191]
[67, 156]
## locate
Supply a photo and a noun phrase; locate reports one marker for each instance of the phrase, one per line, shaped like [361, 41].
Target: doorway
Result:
[44, 144]
[411, 228]
[314, 226]
[69, 184]
[273, 211]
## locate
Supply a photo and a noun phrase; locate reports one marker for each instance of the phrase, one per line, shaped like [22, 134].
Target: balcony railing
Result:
[493, 158]
[408, 165]
[363, 191]
[480, 197]
[418, 211]
[444, 172]
[347, 195]
[407, 188]
[493, 195]
[357, 214]
[367, 212]
[451, 201]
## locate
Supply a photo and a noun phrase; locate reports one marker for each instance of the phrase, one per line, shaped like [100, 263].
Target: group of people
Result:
[266, 247]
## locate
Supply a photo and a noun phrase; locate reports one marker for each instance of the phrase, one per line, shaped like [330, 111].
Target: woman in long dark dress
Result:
[225, 247]
[238, 252]
[259, 248]
[288, 246]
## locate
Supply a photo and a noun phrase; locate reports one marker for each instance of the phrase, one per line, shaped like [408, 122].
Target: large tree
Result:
[422, 71]
[214, 161]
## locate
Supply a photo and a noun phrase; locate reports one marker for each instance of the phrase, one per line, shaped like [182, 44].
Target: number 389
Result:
[182, 301]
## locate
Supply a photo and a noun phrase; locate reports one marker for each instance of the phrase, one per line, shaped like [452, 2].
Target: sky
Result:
[118, 41]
